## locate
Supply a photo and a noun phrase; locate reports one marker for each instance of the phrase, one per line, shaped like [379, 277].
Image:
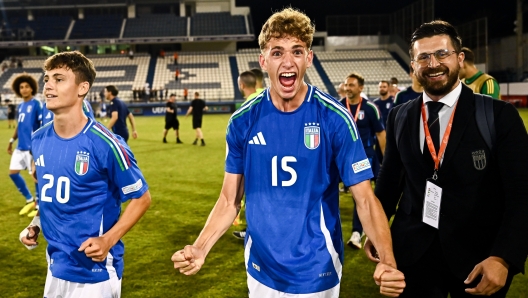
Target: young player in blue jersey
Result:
[29, 117]
[371, 131]
[287, 149]
[47, 115]
[85, 173]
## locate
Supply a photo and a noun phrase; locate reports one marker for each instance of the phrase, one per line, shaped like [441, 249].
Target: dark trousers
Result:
[431, 277]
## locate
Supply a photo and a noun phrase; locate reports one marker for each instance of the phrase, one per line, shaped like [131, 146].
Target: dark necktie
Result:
[434, 123]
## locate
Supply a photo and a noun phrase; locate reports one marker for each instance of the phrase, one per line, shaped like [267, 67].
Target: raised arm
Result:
[190, 259]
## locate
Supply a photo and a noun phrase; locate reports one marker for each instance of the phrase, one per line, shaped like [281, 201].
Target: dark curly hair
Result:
[290, 22]
[24, 78]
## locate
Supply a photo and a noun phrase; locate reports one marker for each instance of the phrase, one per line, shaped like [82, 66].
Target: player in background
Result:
[411, 92]
[171, 119]
[197, 108]
[29, 118]
[86, 172]
[287, 150]
[119, 113]
[371, 132]
[475, 79]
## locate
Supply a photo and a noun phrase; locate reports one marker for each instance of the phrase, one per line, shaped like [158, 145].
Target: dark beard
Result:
[383, 93]
[439, 88]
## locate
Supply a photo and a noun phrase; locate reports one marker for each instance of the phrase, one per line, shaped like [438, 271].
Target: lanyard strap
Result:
[429, 140]
[357, 109]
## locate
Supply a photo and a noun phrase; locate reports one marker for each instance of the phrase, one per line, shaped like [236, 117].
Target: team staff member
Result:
[171, 119]
[287, 149]
[461, 226]
[475, 79]
[371, 128]
[197, 109]
[119, 113]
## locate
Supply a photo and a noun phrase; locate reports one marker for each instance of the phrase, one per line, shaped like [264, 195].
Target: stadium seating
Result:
[220, 23]
[208, 73]
[156, 25]
[42, 28]
[116, 70]
[374, 65]
[97, 26]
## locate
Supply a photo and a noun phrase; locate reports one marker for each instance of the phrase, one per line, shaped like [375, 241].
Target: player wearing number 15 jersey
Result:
[287, 148]
[84, 172]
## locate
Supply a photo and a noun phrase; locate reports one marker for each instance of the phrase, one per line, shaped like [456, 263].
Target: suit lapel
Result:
[464, 112]
[413, 118]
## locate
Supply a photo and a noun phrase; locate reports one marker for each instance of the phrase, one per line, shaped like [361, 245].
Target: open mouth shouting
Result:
[287, 79]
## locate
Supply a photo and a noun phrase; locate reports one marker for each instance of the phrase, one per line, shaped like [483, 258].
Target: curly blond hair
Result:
[289, 22]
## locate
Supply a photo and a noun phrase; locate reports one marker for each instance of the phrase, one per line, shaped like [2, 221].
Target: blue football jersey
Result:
[83, 181]
[29, 117]
[368, 122]
[48, 116]
[292, 163]
[405, 96]
[384, 107]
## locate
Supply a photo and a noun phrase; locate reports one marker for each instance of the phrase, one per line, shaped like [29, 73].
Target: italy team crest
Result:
[312, 134]
[361, 115]
[82, 161]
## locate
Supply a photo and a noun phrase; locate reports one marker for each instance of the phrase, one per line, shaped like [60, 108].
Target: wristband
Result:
[11, 141]
[23, 234]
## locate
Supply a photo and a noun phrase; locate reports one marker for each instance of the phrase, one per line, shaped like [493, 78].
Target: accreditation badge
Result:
[431, 206]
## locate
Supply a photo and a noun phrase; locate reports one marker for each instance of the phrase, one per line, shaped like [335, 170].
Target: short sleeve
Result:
[234, 150]
[491, 88]
[123, 171]
[375, 120]
[351, 160]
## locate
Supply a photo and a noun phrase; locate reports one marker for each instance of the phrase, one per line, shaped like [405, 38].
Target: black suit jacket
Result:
[483, 212]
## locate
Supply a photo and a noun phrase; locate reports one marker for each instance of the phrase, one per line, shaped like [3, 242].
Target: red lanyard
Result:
[430, 144]
[357, 109]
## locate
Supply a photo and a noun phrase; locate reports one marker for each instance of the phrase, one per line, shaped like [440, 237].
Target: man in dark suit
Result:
[472, 235]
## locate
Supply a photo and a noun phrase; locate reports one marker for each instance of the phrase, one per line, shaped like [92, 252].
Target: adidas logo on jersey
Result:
[258, 140]
[40, 161]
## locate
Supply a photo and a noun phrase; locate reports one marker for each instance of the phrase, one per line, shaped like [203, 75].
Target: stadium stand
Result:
[116, 70]
[156, 25]
[220, 23]
[206, 72]
[42, 28]
[374, 65]
[97, 26]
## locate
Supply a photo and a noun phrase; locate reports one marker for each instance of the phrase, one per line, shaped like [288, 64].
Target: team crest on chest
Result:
[479, 159]
[82, 161]
[312, 135]
[28, 110]
[361, 115]
[388, 105]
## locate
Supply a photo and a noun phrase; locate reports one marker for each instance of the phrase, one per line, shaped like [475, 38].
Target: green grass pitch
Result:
[184, 181]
